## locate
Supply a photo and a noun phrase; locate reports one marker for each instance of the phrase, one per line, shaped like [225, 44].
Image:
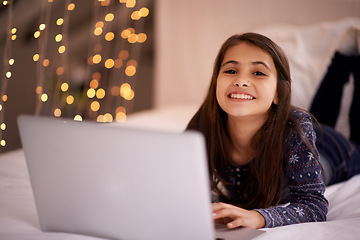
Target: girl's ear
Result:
[276, 100]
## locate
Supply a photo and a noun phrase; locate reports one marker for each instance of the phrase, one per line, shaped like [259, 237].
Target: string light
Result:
[44, 97]
[64, 87]
[100, 93]
[57, 112]
[70, 99]
[60, 21]
[78, 118]
[8, 62]
[109, 63]
[109, 17]
[71, 7]
[95, 106]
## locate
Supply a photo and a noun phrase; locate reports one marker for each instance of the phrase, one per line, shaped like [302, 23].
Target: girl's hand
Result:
[234, 216]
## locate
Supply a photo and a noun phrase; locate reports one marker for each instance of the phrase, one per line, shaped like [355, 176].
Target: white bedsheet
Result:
[18, 219]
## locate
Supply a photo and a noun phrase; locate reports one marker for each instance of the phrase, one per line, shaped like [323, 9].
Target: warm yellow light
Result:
[99, 24]
[98, 31]
[123, 54]
[62, 49]
[109, 36]
[109, 17]
[130, 95]
[130, 71]
[5, 3]
[100, 93]
[0, 107]
[120, 117]
[58, 37]
[39, 89]
[42, 26]
[101, 118]
[131, 62]
[64, 87]
[13, 30]
[123, 1]
[8, 74]
[118, 63]
[78, 118]
[3, 142]
[60, 21]
[91, 93]
[3, 126]
[70, 99]
[105, 3]
[141, 37]
[50, 1]
[46, 62]
[97, 59]
[126, 33]
[109, 63]
[94, 84]
[37, 34]
[60, 71]
[5, 98]
[44, 97]
[71, 7]
[57, 112]
[130, 3]
[125, 89]
[108, 117]
[13, 37]
[11, 61]
[36, 57]
[135, 15]
[120, 109]
[133, 38]
[95, 106]
[126, 92]
[144, 12]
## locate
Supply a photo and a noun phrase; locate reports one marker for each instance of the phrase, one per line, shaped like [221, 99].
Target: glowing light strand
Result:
[61, 97]
[42, 46]
[7, 63]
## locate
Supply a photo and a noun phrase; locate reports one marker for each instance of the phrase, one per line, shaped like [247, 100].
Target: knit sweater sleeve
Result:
[305, 188]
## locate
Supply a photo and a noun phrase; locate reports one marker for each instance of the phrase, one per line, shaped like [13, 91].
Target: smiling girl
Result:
[261, 150]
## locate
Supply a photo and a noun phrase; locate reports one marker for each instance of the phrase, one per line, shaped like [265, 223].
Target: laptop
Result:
[117, 183]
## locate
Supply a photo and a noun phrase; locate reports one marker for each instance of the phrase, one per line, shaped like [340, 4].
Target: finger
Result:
[217, 206]
[234, 224]
[224, 213]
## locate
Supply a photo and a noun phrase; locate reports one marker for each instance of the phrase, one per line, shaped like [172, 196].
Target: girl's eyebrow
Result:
[262, 63]
[253, 63]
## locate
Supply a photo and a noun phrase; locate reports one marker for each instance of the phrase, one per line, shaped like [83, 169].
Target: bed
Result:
[308, 58]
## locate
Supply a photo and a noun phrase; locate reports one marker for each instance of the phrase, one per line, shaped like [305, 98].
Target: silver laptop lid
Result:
[117, 183]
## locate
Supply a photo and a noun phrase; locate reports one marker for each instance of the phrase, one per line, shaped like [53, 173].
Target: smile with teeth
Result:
[241, 96]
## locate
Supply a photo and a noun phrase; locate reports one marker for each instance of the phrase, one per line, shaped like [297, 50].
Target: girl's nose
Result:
[241, 82]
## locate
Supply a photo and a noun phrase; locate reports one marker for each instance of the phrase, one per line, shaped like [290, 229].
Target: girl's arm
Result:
[305, 185]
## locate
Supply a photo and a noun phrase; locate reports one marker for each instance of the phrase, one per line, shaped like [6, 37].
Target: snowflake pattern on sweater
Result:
[303, 194]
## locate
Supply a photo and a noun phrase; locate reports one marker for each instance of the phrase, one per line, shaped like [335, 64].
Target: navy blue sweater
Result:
[303, 194]
[303, 197]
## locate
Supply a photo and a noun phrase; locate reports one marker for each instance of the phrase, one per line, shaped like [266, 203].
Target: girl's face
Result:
[247, 81]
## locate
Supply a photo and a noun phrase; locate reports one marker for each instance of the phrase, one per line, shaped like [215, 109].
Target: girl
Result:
[261, 150]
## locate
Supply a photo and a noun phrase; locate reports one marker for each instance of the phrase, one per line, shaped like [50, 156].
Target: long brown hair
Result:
[263, 187]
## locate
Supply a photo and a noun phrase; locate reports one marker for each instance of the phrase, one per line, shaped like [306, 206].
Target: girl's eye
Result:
[230, 71]
[258, 73]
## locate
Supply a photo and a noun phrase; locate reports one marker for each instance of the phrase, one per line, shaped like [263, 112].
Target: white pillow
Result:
[309, 50]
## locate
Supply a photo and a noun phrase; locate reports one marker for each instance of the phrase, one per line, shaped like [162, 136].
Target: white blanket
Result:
[18, 218]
